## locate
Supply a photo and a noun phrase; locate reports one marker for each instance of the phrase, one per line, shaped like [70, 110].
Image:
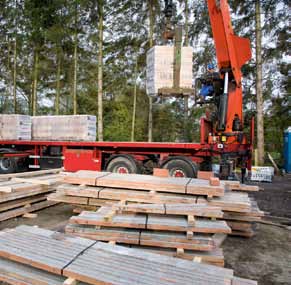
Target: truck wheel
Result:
[7, 165]
[123, 165]
[181, 168]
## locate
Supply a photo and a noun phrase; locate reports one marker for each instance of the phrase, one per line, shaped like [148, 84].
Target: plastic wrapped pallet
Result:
[160, 68]
[64, 128]
[15, 127]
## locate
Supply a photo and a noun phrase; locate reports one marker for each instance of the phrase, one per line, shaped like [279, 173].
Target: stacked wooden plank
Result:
[157, 226]
[30, 255]
[27, 193]
[67, 128]
[240, 211]
[15, 127]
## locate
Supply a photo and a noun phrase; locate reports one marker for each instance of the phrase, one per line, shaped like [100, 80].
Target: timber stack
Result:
[23, 193]
[166, 229]
[73, 260]
[175, 216]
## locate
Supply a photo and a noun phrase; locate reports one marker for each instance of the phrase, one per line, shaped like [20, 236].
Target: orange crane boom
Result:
[232, 53]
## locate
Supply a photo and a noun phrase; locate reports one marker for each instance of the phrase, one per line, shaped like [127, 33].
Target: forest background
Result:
[89, 57]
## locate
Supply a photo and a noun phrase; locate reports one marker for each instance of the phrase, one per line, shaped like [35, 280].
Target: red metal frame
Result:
[89, 155]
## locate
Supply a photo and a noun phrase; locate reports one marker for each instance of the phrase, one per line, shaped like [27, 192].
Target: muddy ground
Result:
[266, 257]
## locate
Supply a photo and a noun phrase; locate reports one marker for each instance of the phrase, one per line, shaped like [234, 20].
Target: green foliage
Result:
[50, 26]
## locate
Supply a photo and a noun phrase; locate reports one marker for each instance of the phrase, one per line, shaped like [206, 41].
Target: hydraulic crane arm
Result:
[232, 52]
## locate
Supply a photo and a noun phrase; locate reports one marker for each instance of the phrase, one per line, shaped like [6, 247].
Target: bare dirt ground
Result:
[266, 257]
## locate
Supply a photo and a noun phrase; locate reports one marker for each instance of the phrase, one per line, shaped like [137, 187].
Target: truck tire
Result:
[8, 165]
[181, 168]
[123, 164]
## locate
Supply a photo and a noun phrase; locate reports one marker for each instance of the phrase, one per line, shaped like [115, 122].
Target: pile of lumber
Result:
[171, 229]
[15, 127]
[89, 190]
[30, 255]
[22, 193]
[66, 127]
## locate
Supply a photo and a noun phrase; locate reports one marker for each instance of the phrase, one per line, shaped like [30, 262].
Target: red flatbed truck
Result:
[182, 159]
[221, 137]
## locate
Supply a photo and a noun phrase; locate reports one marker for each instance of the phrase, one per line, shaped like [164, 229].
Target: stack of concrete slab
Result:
[68, 128]
[15, 127]
[160, 68]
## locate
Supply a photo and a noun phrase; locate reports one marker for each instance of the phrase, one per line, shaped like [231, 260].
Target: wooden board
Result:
[25, 192]
[126, 236]
[80, 190]
[49, 179]
[58, 197]
[235, 202]
[214, 257]
[21, 202]
[26, 209]
[86, 177]
[149, 221]
[143, 237]
[240, 226]
[174, 209]
[98, 263]
[29, 173]
[145, 182]
[16, 273]
[202, 187]
[42, 249]
[237, 186]
[123, 266]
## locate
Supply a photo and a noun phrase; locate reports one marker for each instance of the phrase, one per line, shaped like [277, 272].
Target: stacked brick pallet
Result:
[160, 65]
[66, 128]
[15, 127]
[26, 192]
[52, 258]
[52, 128]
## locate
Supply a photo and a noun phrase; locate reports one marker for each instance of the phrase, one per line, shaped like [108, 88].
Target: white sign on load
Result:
[160, 68]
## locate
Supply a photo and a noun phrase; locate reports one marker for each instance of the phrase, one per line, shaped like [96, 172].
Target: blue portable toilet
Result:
[287, 150]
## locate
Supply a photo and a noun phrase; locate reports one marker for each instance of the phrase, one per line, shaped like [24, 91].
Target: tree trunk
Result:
[260, 101]
[8, 94]
[151, 43]
[35, 76]
[75, 62]
[58, 83]
[186, 98]
[14, 75]
[134, 102]
[100, 71]
[186, 23]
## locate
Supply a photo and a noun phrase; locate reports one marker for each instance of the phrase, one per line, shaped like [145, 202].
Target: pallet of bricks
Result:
[181, 217]
[23, 193]
[30, 255]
